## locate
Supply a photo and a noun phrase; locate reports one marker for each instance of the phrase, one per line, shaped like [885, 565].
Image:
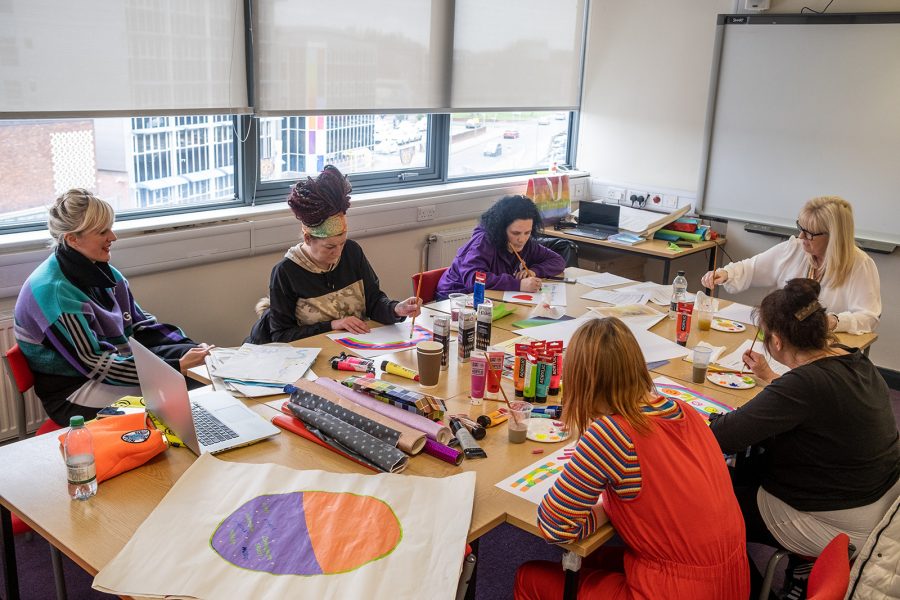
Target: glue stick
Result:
[478, 289]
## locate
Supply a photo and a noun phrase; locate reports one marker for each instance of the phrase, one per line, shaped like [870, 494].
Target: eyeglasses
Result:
[807, 233]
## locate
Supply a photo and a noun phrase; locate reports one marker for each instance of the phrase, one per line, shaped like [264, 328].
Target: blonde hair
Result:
[78, 211]
[604, 374]
[834, 215]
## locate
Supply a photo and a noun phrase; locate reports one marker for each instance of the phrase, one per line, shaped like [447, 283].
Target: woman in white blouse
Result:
[824, 250]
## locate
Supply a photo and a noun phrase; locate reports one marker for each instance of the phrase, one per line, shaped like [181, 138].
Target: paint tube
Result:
[466, 334]
[442, 336]
[542, 379]
[395, 369]
[551, 411]
[479, 376]
[478, 289]
[493, 419]
[470, 447]
[495, 374]
[519, 368]
[530, 379]
[343, 365]
[557, 348]
[485, 313]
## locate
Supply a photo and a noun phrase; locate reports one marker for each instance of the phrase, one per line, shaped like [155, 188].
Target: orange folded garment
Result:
[122, 443]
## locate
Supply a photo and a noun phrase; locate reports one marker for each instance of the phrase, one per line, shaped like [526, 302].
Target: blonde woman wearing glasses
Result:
[823, 250]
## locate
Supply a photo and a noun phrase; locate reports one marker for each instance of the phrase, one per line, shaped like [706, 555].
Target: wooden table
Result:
[655, 249]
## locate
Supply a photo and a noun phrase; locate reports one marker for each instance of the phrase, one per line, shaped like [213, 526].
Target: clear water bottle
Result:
[679, 291]
[80, 468]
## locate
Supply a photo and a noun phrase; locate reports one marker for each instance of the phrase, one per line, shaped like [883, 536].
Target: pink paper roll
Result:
[435, 431]
[445, 453]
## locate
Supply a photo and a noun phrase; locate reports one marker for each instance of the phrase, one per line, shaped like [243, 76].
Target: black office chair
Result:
[565, 248]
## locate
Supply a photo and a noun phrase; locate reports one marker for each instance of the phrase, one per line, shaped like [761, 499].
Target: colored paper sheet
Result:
[532, 482]
[553, 294]
[704, 405]
[382, 340]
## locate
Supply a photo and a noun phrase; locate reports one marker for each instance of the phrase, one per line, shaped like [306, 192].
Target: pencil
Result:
[412, 327]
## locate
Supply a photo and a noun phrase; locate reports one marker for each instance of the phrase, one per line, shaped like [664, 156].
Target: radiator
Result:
[34, 412]
[443, 246]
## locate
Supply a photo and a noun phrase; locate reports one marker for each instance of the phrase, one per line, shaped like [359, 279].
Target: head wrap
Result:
[333, 225]
[321, 204]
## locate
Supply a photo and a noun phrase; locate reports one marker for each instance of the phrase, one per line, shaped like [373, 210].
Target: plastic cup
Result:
[457, 304]
[700, 363]
[517, 424]
[704, 320]
[428, 356]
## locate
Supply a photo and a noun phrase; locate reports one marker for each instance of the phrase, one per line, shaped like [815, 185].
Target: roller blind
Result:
[129, 57]
[517, 55]
[352, 56]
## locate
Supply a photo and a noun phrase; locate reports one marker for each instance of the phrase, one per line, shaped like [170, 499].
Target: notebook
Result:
[596, 220]
[206, 421]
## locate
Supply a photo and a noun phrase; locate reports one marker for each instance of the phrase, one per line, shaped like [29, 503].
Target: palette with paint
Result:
[547, 430]
[720, 324]
[732, 380]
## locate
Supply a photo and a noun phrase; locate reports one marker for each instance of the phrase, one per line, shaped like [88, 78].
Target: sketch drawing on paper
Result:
[307, 533]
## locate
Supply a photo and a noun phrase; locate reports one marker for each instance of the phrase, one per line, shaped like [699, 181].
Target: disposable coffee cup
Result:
[700, 361]
[517, 424]
[428, 356]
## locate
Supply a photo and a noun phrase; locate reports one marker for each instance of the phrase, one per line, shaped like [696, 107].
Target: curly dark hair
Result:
[507, 209]
[314, 200]
[791, 314]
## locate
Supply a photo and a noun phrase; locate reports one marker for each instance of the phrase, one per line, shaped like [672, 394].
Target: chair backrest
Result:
[830, 575]
[17, 369]
[429, 283]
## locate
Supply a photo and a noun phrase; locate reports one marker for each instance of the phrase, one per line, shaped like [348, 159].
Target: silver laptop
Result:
[206, 421]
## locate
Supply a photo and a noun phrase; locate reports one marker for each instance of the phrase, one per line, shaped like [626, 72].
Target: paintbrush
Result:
[412, 327]
[752, 344]
[712, 290]
[528, 272]
[493, 372]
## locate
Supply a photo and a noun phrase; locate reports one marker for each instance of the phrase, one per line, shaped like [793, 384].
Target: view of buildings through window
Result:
[147, 163]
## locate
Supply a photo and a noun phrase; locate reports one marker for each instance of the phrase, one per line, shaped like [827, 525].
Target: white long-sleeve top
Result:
[857, 303]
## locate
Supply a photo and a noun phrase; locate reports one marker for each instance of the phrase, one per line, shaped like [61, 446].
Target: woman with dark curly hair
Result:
[324, 283]
[503, 247]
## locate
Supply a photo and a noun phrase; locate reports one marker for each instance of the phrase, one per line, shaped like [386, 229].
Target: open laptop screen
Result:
[598, 214]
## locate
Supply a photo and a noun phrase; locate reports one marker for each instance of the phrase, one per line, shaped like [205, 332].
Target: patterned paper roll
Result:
[445, 453]
[411, 440]
[436, 431]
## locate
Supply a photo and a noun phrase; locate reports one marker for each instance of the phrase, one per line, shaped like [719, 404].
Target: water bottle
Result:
[679, 291]
[80, 469]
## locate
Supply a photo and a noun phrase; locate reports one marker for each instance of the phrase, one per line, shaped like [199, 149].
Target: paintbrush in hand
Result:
[412, 326]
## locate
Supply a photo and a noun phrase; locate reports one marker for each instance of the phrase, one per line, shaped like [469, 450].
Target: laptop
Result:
[596, 220]
[205, 421]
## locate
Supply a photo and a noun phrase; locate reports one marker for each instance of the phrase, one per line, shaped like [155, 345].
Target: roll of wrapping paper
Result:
[411, 441]
[436, 431]
[312, 401]
[445, 453]
[352, 440]
[694, 237]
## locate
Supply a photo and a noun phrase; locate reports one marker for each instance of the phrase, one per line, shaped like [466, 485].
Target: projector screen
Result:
[804, 106]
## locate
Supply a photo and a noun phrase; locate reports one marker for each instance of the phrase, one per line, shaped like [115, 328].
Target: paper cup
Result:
[428, 356]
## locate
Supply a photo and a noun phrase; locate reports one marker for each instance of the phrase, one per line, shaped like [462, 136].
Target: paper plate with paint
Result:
[720, 324]
[547, 430]
[732, 380]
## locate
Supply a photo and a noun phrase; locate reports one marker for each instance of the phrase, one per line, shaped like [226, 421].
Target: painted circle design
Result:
[307, 533]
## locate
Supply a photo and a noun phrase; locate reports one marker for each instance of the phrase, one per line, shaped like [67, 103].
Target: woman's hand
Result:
[530, 284]
[351, 324]
[832, 322]
[760, 367]
[194, 357]
[712, 278]
[524, 274]
[411, 307]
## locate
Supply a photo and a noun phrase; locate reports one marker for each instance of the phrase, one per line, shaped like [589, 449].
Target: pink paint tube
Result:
[479, 376]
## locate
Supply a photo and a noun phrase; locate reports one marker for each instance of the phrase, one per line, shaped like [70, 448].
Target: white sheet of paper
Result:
[268, 363]
[655, 348]
[532, 482]
[602, 280]
[383, 340]
[616, 297]
[660, 294]
[553, 293]
[563, 330]
[713, 357]
[735, 359]
[238, 530]
[736, 312]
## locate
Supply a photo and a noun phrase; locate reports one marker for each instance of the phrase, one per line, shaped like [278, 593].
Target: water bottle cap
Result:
[76, 421]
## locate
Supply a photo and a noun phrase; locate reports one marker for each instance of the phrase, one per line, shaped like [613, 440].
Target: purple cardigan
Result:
[479, 254]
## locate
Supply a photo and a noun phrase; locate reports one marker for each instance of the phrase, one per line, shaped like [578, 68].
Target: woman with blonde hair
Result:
[662, 478]
[824, 250]
[75, 313]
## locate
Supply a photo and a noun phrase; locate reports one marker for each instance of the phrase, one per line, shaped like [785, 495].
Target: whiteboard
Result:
[801, 107]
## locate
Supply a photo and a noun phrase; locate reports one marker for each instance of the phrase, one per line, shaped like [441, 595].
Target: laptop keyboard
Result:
[210, 430]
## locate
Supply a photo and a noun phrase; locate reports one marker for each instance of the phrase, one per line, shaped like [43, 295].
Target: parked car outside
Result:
[473, 123]
[544, 121]
[510, 134]
[493, 149]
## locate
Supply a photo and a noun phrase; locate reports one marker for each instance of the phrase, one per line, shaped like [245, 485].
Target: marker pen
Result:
[395, 369]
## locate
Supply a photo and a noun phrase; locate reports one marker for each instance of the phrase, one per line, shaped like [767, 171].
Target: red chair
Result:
[22, 379]
[429, 283]
[830, 575]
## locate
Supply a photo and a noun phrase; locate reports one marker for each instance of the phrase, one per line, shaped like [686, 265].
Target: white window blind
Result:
[517, 55]
[108, 57]
[352, 56]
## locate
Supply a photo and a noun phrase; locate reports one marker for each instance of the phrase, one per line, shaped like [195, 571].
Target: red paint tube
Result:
[494, 374]
[557, 349]
[683, 322]
[343, 365]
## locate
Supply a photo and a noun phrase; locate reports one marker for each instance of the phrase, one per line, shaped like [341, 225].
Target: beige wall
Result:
[643, 111]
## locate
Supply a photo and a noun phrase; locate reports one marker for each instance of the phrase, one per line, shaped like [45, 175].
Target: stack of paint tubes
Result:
[537, 370]
[345, 362]
[426, 405]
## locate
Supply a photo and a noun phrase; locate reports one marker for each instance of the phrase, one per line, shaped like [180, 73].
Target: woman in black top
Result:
[829, 460]
[324, 283]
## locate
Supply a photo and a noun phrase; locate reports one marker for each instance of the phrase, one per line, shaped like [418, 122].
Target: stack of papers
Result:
[253, 370]
[646, 222]
[618, 298]
[735, 360]
[659, 294]
[602, 280]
